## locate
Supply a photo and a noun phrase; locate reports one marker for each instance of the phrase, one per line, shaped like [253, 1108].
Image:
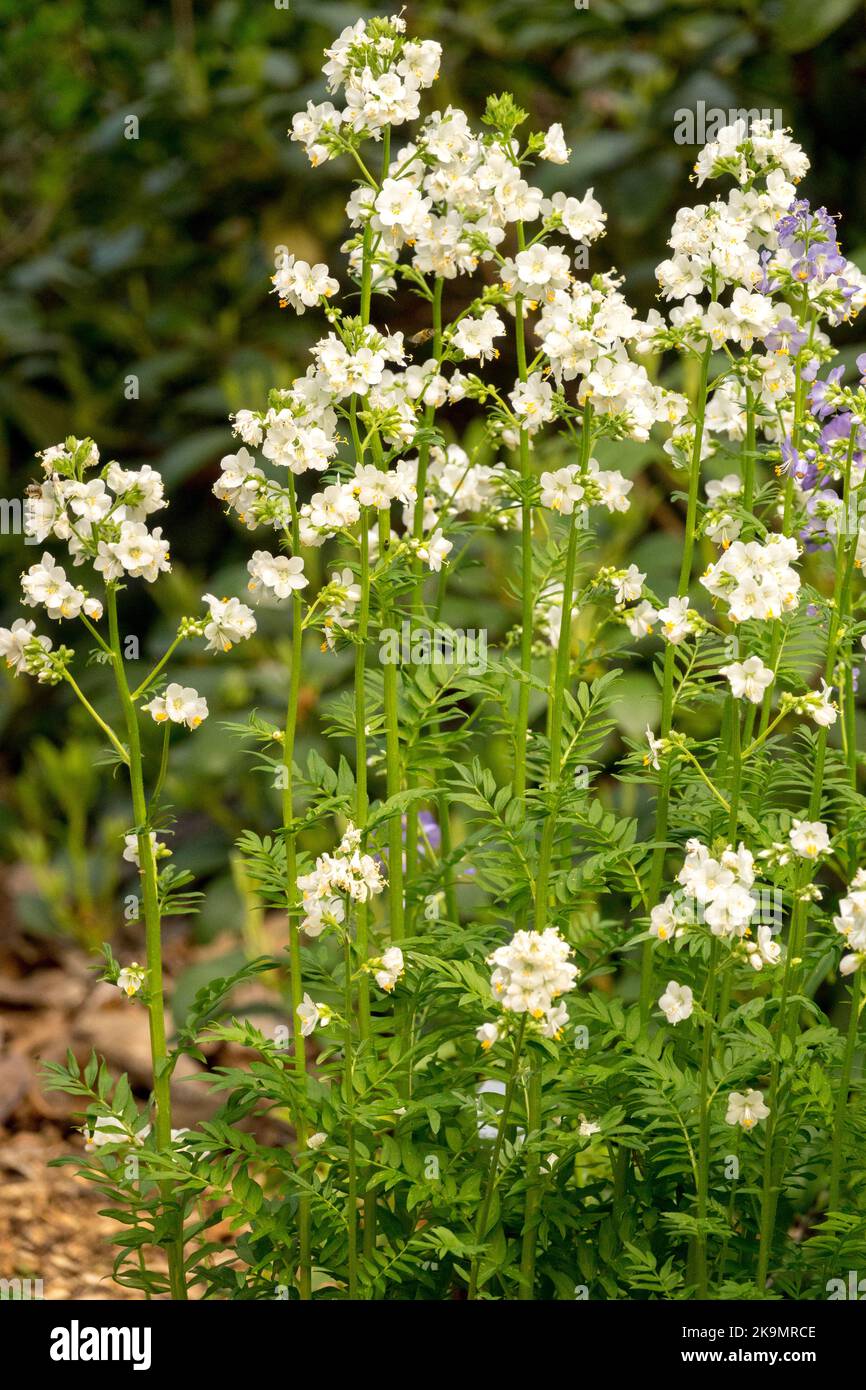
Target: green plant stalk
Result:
[521, 729]
[349, 1084]
[296, 987]
[532, 1206]
[507, 1101]
[548, 837]
[362, 918]
[844, 1088]
[361, 796]
[704, 1120]
[153, 940]
[664, 791]
[771, 1180]
[735, 771]
[417, 599]
[447, 847]
[557, 702]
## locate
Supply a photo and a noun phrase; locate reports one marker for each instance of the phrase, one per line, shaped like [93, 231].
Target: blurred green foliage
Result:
[146, 180]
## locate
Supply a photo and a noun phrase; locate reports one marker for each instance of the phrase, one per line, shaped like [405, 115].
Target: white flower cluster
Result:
[389, 968]
[531, 973]
[279, 575]
[230, 621]
[569, 489]
[345, 874]
[180, 704]
[851, 924]
[382, 74]
[717, 891]
[24, 650]
[737, 270]
[584, 330]
[45, 583]
[102, 520]
[756, 580]
[300, 285]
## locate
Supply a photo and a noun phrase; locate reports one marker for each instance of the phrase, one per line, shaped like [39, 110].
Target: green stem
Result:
[492, 1171]
[844, 1088]
[704, 1121]
[533, 1195]
[349, 1084]
[417, 597]
[153, 943]
[109, 732]
[521, 729]
[664, 791]
[296, 986]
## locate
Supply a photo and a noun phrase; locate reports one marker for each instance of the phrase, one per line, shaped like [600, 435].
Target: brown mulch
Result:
[50, 1227]
[50, 1000]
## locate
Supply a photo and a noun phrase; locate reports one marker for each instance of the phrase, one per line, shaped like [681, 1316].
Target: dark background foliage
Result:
[149, 258]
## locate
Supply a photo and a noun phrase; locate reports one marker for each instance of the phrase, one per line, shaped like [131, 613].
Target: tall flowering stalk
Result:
[101, 513]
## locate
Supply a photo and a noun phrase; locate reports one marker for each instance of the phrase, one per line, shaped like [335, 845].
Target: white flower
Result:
[316, 1140]
[663, 922]
[677, 1002]
[181, 704]
[474, 337]
[554, 148]
[746, 1110]
[582, 218]
[322, 913]
[656, 746]
[435, 550]
[562, 489]
[851, 921]
[130, 852]
[487, 1035]
[532, 401]
[640, 620]
[110, 1129]
[131, 979]
[392, 967]
[748, 679]
[402, 208]
[809, 839]
[312, 1015]
[14, 641]
[628, 584]
[46, 583]
[819, 706]
[587, 1128]
[676, 619]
